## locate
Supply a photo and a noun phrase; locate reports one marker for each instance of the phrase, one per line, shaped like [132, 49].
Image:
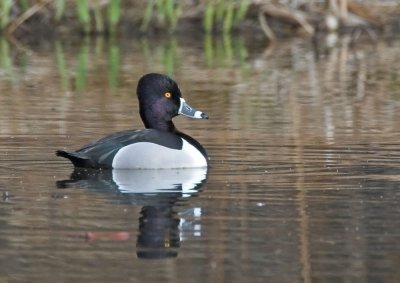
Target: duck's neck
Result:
[161, 125]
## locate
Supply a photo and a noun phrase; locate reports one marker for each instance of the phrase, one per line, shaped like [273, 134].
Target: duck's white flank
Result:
[144, 155]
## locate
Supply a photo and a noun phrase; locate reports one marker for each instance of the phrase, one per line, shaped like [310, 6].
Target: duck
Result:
[159, 145]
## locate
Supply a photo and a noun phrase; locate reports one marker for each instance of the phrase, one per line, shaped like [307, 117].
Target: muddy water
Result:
[304, 178]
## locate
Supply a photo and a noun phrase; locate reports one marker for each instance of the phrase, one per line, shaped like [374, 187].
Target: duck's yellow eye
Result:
[167, 95]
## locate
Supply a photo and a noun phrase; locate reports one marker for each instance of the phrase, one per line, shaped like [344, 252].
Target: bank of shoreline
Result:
[260, 20]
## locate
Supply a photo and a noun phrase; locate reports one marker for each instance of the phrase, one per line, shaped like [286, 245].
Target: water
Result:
[304, 178]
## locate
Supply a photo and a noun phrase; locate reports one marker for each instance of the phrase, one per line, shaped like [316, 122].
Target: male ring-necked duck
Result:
[160, 145]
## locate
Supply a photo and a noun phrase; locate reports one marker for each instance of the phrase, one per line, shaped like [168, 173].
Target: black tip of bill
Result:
[204, 115]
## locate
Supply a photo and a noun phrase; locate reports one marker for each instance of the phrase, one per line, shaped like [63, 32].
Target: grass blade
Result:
[114, 14]
[24, 5]
[241, 10]
[169, 10]
[5, 13]
[228, 18]
[147, 15]
[208, 21]
[98, 19]
[82, 7]
[220, 9]
[60, 8]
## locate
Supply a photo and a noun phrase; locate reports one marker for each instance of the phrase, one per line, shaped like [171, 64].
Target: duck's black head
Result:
[160, 100]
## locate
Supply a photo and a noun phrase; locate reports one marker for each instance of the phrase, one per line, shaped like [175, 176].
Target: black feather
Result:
[76, 158]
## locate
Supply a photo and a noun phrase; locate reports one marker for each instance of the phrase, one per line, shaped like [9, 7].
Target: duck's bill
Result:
[186, 110]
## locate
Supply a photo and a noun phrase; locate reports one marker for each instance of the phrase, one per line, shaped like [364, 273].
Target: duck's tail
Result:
[77, 159]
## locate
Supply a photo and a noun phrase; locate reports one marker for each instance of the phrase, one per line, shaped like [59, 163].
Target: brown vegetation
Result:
[274, 18]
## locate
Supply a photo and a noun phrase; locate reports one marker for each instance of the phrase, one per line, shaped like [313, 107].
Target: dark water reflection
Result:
[304, 179]
[156, 191]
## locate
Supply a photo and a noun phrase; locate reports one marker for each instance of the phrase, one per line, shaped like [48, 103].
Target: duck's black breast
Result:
[101, 153]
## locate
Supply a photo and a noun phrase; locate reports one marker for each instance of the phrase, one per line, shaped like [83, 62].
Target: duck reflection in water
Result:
[157, 191]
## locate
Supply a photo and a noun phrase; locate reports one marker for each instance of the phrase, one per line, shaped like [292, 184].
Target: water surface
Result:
[304, 178]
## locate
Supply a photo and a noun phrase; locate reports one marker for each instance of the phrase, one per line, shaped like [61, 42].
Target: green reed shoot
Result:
[228, 18]
[224, 13]
[169, 9]
[24, 5]
[59, 9]
[82, 8]
[166, 12]
[220, 9]
[6, 6]
[148, 12]
[172, 12]
[209, 14]
[241, 10]
[85, 15]
[161, 15]
[98, 19]
[175, 17]
[114, 14]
